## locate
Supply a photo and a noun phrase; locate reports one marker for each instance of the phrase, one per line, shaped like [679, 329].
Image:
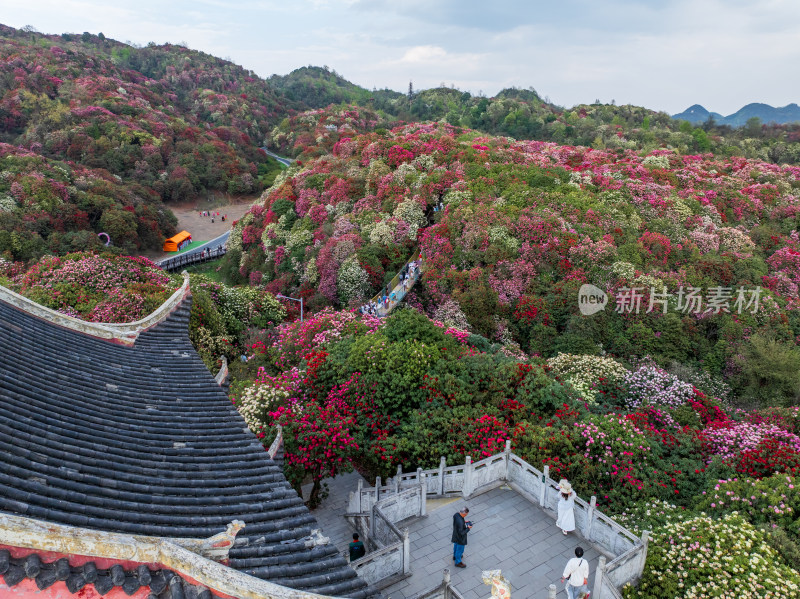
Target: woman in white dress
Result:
[566, 507]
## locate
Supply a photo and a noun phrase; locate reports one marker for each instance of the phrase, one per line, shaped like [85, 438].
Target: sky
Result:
[661, 54]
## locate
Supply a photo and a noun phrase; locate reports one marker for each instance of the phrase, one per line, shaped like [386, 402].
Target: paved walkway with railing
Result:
[510, 533]
[398, 289]
[330, 513]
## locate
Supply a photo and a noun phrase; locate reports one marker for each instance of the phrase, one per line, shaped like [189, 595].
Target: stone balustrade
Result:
[389, 558]
[625, 552]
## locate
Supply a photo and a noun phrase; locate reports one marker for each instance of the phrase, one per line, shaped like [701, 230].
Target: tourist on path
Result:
[566, 507]
[460, 529]
[576, 573]
[356, 548]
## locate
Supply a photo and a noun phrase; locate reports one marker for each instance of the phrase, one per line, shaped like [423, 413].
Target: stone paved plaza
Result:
[510, 534]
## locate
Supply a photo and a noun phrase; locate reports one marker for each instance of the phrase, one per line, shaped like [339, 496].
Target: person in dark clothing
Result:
[460, 529]
[357, 548]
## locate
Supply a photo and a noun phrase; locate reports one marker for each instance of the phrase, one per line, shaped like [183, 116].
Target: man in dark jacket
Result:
[357, 549]
[460, 529]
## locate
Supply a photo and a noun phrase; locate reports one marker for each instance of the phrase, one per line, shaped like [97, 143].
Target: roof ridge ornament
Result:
[215, 547]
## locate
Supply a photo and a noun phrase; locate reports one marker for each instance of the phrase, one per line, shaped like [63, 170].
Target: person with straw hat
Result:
[566, 507]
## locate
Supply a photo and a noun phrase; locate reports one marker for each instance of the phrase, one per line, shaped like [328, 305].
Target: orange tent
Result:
[173, 243]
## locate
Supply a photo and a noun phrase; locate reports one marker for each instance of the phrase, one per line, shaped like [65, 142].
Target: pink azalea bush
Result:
[97, 287]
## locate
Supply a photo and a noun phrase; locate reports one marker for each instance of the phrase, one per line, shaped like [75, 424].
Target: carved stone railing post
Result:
[406, 552]
[446, 584]
[467, 489]
[551, 592]
[590, 517]
[645, 542]
[442, 466]
[359, 488]
[276, 444]
[223, 371]
[377, 489]
[599, 573]
[506, 459]
[543, 490]
[423, 495]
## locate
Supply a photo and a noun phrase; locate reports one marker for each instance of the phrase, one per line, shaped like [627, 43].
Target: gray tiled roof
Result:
[142, 440]
[163, 584]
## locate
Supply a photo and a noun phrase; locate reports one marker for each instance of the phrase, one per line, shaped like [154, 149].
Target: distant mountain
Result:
[768, 114]
[318, 87]
[697, 114]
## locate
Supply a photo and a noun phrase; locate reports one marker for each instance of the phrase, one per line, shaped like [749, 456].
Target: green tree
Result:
[770, 372]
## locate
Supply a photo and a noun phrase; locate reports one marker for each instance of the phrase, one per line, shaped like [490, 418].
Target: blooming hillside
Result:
[169, 118]
[96, 288]
[699, 257]
[659, 448]
[49, 206]
[523, 114]
[167, 123]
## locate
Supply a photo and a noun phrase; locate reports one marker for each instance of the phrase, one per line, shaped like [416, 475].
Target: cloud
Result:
[425, 54]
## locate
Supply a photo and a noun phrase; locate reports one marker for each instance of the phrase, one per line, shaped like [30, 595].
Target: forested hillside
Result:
[525, 224]
[674, 403]
[167, 123]
[172, 125]
[524, 114]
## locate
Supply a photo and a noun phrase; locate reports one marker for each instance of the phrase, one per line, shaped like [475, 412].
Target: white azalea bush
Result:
[266, 395]
[702, 557]
[410, 212]
[450, 313]
[651, 385]
[661, 162]
[583, 372]
[382, 233]
[353, 281]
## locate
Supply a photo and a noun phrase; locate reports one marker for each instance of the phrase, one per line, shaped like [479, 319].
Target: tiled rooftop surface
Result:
[163, 584]
[141, 440]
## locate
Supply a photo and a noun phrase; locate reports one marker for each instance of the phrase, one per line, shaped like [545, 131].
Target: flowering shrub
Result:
[584, 372]
[353, 282]
[450, 313]
[772, 500]
[622, 458]
[654, 386]
[743, 443]
[267, 393]
[483, 437]
[292, 341]
[698, 557]
[317, 443]
[97, 287]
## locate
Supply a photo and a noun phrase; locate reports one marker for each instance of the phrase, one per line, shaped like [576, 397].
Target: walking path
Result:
[398, 290]
[509, 533]
[330, 513]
